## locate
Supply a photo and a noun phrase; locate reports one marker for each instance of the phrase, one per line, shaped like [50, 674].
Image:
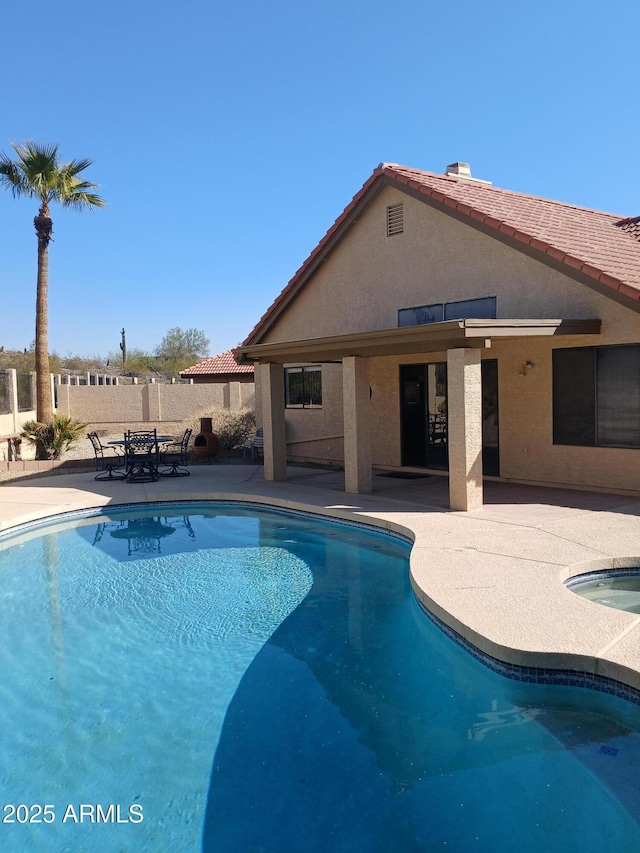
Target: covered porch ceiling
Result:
[409, 340]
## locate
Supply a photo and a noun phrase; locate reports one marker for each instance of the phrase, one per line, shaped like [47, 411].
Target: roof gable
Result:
[601, 246]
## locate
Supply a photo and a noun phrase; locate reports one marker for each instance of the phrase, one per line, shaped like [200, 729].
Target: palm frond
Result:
[74, 192]
[76, 166]
[79, 199]
[38, 172]
[11, 177]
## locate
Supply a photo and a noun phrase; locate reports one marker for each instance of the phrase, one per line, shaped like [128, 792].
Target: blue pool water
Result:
[251, 680]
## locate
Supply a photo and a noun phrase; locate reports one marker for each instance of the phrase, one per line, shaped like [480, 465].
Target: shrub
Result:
[233, 428]
[53, 439]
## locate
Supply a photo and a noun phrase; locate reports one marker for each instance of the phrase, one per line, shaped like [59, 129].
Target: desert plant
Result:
[54, 438]
[233, 428]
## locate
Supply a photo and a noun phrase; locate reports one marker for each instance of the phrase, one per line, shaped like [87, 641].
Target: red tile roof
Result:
[577, 237]
[631, 226]
[220, 364]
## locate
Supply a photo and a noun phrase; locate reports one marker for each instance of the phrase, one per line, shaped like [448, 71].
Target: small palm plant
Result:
[53, 439]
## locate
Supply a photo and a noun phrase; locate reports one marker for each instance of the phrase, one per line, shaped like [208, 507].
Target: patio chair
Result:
[256, 445]
[141, 456]
[108, 459]
[141, 433]
[174, 454]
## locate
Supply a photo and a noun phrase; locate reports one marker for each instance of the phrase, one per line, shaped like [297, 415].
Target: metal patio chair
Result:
[108, 459]
[175, 455]
[141, 456]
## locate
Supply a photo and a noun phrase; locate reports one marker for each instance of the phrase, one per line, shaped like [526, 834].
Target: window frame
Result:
[306, 388]
[459, 309]
[584, 380]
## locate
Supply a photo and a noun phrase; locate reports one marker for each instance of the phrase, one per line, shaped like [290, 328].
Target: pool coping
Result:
[493, 578]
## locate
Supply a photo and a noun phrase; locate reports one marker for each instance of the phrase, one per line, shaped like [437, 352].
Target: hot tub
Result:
[619, 588]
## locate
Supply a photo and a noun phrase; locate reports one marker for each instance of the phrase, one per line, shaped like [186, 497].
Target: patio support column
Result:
[358, 478]
[275, 445]
[464, 403]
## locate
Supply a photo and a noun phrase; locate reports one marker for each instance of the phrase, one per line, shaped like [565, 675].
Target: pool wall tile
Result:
[539, 675]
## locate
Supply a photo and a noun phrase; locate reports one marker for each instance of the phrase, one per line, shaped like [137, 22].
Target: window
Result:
[421, 315]
[596, 396]
[483, 308]
[395, 219]
[303, 387]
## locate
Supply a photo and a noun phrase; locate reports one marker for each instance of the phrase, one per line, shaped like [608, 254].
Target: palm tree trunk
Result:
[44, 406]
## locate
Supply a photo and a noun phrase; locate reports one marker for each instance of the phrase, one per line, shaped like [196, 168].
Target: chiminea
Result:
[206, 442]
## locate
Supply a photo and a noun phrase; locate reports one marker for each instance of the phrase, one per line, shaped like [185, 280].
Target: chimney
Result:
[459, 170]
[463, 170]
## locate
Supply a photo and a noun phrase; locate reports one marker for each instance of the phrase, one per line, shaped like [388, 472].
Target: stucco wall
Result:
[362, 285]
[527, 452]
[11, 425]
[12, 421]
[317, 435]
[153, 402]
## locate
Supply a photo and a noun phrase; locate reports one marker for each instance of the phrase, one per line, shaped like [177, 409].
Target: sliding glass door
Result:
[424, 416]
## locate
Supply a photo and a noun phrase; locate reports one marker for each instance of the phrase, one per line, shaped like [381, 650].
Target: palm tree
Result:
[38, 173]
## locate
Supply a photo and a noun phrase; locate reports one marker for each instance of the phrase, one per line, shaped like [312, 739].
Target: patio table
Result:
[141, 455]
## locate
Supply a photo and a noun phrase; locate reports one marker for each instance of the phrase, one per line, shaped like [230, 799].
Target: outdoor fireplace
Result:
[206, 442]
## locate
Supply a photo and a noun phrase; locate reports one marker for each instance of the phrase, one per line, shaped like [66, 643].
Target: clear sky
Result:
[228, 137]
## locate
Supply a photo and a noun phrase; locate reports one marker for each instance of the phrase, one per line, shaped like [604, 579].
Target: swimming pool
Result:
[245, 679]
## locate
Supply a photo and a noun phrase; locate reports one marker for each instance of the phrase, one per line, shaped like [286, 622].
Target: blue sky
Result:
[227, 138]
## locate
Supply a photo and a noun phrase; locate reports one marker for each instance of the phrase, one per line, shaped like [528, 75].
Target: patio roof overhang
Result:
[410, 340]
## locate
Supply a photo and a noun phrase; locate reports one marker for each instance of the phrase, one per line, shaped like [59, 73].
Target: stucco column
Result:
[275, 445]
[358, 477]
[155, 402]
[235, 403]
[464, 404]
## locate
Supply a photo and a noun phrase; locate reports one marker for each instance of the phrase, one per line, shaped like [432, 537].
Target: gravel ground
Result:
[83, 450]
[114, 432]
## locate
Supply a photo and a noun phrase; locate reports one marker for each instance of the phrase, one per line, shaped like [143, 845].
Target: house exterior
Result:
[221, 368]
[446, 325]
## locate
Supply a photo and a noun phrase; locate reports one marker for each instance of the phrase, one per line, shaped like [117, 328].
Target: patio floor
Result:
[494, 575]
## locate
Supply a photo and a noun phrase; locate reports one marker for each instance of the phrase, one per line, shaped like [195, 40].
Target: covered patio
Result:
[464, 342]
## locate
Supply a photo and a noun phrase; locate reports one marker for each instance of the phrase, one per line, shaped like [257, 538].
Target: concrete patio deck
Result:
[495, 575]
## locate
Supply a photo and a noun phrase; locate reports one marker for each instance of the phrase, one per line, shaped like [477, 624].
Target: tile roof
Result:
[631, 226]
[221, 364]
[602, 246]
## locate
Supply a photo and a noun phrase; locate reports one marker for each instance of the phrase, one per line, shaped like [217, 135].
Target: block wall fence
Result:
[154, 402]
[110, 403]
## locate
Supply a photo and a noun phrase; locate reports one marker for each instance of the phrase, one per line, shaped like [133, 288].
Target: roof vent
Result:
[463, 170]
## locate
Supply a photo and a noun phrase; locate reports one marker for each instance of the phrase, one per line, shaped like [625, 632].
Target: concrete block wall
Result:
[150, 403]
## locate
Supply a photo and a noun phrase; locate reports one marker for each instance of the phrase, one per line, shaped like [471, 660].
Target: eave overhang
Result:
[410, 340]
